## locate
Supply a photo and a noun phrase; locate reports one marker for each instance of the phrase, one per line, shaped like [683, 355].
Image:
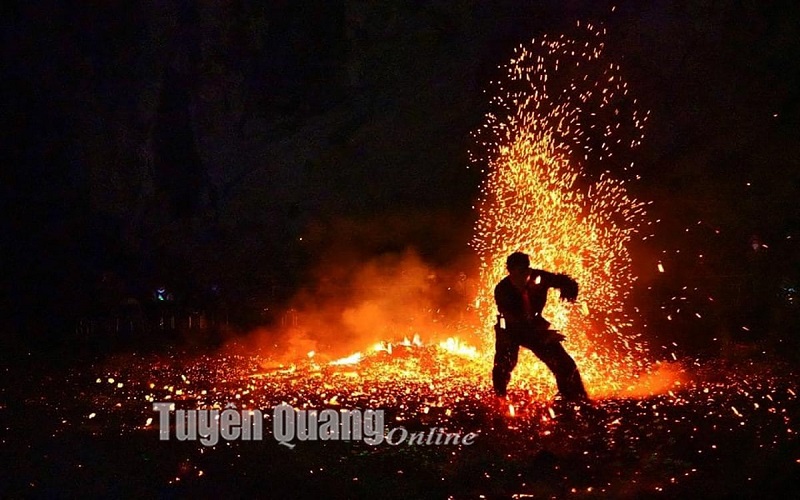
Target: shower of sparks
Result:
[558, 108]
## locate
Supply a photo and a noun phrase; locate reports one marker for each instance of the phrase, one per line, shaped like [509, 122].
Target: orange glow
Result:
[537, 198]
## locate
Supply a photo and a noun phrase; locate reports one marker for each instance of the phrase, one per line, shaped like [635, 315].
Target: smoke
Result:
[662, 378]
[364, 288]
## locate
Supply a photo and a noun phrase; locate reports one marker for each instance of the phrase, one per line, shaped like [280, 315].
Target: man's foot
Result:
[503, 405]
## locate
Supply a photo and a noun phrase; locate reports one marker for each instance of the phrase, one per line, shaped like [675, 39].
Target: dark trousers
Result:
[553, 354]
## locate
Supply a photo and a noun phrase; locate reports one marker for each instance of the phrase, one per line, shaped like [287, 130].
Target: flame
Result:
[383, 346]
[416, 341]
[456, 346]
[349, 360]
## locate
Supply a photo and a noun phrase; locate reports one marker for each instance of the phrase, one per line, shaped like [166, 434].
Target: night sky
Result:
[233, 143]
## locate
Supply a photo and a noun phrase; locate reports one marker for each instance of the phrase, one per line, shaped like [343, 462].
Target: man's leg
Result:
[506, 352]
[568, 378]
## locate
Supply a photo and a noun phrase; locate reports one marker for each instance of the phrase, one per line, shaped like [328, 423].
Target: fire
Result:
[456, 346]
[349, 360]
[559, 107]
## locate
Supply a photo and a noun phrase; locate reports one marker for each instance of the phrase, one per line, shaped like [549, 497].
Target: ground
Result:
[79, 427]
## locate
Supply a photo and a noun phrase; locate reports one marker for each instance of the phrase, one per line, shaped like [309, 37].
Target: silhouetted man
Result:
[520, 298]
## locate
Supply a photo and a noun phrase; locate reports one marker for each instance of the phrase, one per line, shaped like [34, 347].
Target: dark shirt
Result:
[510, 302]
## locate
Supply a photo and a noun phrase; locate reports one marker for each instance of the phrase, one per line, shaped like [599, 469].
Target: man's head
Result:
[518, 261]
[517, 264]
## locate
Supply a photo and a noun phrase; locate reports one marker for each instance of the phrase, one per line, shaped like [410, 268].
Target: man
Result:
[520, 298]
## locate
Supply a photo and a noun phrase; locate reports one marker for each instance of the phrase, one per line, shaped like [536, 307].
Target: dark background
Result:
[195, 144]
